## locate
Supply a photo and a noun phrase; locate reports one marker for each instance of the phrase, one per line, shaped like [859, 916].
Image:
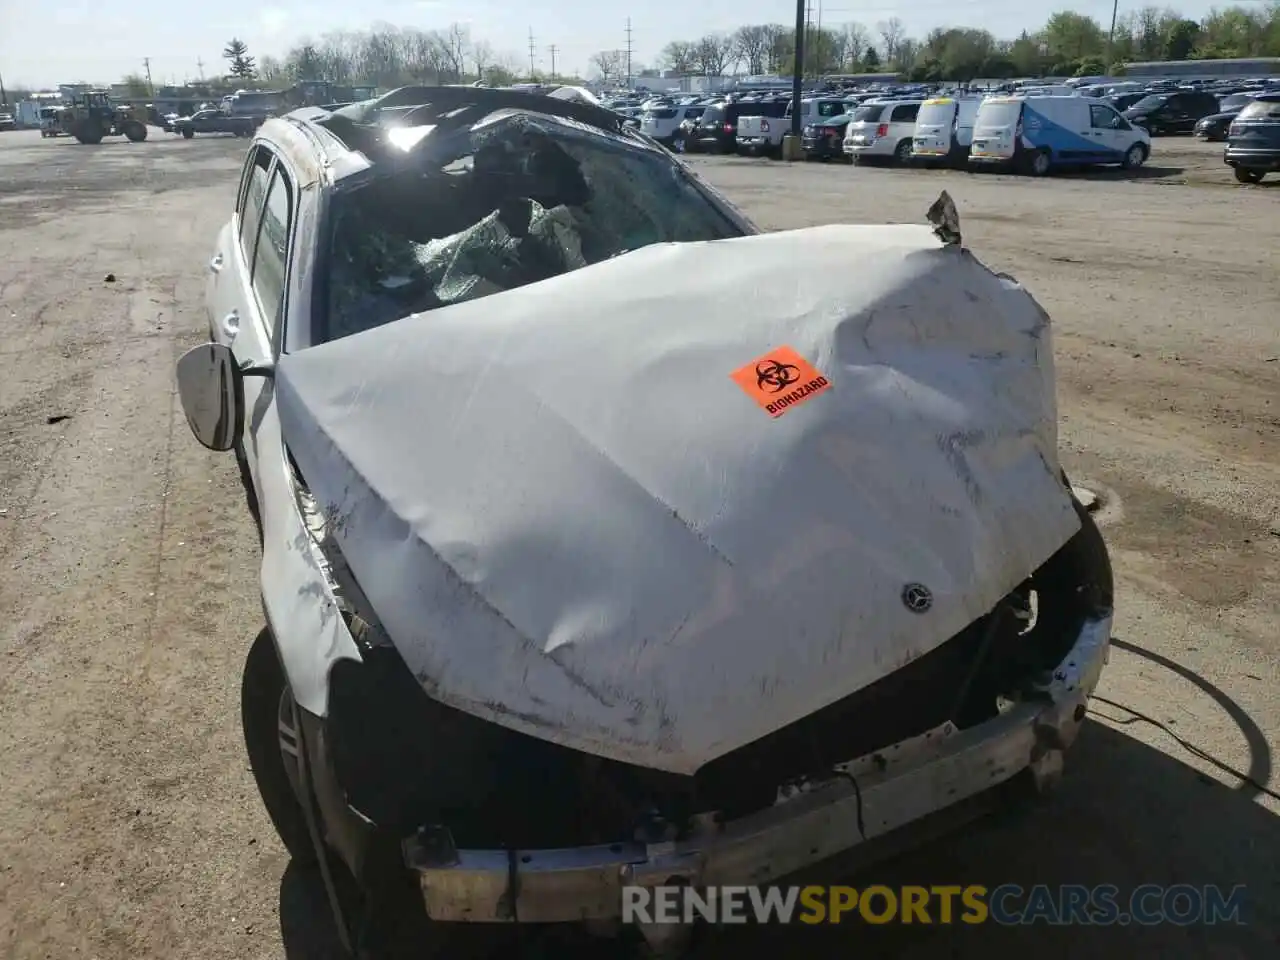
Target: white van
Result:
[882, 130]
[1036, 134]
[944, 129]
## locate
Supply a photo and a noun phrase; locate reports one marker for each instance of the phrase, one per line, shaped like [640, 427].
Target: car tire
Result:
[1039, 163]
[902, 153]
[267, 719]
[187, 134]
[1248, 175]
[677, 145]
[1134, 157]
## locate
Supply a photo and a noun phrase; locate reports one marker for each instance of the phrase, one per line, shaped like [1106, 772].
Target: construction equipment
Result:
[91, 116]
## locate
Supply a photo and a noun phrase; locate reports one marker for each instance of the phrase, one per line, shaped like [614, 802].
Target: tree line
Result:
[1069, 43]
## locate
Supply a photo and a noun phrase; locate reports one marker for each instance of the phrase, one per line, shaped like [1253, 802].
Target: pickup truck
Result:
[761, 126]
[215, 121]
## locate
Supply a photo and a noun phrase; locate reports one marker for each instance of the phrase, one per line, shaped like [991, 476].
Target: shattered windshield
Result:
[506, 203]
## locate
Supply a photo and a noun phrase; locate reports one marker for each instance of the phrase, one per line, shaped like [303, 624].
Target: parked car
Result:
[1170, 113]
[824, 139]
[944, 130]
[516, 636]
[716, 131]
[1253, 140]
[665, 123]
[7, 122]
[1036, 134]
[1123, 101]
[882, 130]
[1214, 127]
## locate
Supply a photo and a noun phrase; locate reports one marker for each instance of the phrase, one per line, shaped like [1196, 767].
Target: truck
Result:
[215, 121]
[762, 126]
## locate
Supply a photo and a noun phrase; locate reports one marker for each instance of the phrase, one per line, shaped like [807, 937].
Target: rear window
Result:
[905, 113]
[1261, 110]
[831, 108]
[869, 113]
[713, 114]
[936, 113]
[662, 113]
[510, 202]
[693, 113]
[999, 113]
[1235, 101]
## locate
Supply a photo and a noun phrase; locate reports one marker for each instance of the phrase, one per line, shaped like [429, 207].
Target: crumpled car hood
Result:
[572, 520]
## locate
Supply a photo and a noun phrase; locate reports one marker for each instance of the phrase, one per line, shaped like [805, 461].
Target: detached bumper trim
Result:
[934, 773]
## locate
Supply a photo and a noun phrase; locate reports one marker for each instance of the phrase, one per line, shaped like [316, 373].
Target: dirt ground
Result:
[129, 823]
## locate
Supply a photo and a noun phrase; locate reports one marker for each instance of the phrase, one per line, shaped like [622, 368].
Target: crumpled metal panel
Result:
[572, 521]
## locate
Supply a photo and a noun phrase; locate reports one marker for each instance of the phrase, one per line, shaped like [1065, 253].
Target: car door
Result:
[1175, 114]
[250, 267]
[1106, 133]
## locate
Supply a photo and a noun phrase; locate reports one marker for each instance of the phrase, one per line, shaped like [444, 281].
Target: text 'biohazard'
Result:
[781, 380]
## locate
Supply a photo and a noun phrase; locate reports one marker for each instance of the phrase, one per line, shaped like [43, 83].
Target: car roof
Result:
[344, 139]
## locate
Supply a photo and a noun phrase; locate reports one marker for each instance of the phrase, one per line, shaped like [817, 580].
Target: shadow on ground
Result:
[1126, 814]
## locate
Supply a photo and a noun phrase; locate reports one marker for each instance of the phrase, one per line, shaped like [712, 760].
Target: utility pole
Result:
[531, 55]
[797, 81]
[146, 62]
[628, 53]
[1111, 36]
[200, 67]
[4, 97]
[552, 48]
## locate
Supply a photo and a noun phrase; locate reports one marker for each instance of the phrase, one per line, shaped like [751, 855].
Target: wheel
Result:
[1134, 157]
[1246, 175]
[267, 717]
[188, 133]
[135, 132]
[902, 153]
[1039, 163]
[677, 145]
[88, 131]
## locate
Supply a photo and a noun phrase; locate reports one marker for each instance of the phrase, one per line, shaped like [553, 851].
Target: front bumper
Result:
[894, 789]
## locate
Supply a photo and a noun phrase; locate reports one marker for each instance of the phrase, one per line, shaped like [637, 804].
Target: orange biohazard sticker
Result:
[781, 380]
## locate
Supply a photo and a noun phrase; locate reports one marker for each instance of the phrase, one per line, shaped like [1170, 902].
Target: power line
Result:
[531, 53]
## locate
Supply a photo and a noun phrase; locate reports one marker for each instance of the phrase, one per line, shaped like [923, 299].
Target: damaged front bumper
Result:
[865, 799]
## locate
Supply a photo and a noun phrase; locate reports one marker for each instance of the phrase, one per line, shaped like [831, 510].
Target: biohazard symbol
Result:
[776, 376]
[780, 381]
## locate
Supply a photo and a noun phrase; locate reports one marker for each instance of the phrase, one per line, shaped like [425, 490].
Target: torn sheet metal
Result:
[572, 520]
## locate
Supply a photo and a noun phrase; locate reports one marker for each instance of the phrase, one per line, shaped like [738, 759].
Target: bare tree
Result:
[610, 65]
[481, 57]
[782, 46]
[712, 54]
[679, 57]
[856, 41]
[457, 41]
[751, 47]
[892, 33]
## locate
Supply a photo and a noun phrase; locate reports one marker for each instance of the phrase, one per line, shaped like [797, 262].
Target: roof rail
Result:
[358, 124]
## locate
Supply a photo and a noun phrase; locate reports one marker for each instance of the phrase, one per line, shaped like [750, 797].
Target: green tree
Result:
[1180, 39]
[137, 85]
[871, 60]
[1070, 36]
[236, 53]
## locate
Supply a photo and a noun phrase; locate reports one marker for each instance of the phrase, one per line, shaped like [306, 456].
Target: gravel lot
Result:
[129, 823]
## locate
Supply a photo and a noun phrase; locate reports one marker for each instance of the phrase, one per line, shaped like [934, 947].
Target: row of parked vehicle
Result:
[1033, 129]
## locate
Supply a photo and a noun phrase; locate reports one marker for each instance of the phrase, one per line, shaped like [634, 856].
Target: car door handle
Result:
[215, 265]
[231, 325]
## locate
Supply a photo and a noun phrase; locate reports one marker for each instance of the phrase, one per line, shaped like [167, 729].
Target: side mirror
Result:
[212, 397]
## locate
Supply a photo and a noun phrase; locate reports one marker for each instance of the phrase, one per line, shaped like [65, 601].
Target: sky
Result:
[63, 41]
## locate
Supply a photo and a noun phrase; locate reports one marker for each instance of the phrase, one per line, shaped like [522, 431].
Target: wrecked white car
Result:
[607, 540]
